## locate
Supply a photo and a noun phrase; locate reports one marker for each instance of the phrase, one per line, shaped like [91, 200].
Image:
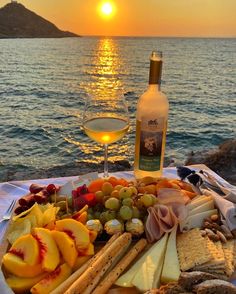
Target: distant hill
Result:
[16, 21]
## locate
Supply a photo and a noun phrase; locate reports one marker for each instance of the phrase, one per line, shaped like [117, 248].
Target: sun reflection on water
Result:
[104, 86]
[105, 82]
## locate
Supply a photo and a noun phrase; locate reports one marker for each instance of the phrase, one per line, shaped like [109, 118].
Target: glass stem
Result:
[106, 161]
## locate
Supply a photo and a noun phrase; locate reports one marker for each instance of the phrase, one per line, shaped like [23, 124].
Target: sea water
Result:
[44, 84]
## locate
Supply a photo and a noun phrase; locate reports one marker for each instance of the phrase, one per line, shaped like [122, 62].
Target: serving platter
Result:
[4, 244]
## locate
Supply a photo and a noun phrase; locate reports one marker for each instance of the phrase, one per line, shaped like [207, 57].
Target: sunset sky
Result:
[197, 18]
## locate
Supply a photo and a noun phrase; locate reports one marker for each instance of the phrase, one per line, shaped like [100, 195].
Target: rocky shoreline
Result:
[222, 160]
[78, 168]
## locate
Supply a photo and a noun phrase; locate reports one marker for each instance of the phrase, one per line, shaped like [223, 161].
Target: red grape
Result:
[35, 188]
[51, 189]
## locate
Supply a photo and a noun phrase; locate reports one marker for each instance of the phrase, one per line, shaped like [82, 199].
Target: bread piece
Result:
[215, 287]
[234, 254]
[170, 288]
[189, 279]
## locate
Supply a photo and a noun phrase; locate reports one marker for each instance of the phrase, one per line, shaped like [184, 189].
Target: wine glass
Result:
[106, 121]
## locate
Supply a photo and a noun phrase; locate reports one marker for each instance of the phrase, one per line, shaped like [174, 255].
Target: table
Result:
[16, 189]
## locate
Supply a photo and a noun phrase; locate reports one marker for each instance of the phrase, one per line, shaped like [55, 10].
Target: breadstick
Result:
[68, 282]
[107, 267]
[96, 267]
[109, 280]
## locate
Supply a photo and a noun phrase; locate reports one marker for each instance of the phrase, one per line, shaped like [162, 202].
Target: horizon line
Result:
[156, 36]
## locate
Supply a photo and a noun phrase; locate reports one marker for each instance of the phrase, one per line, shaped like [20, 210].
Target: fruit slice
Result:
[23, 285]
[27, 248]
[96, 185]
[52, 280]
[93, 235]
[16, 266]
[76, 231]
[66, 246]
[88, 251]
[36, 211]
[83, 217]
[49, 253]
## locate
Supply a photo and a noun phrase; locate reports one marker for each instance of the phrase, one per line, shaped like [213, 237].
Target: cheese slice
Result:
[199, 197]
[125, 280]
[196, 220]
[193, 204]
[209, 205]
[171, 269]
[148, 275]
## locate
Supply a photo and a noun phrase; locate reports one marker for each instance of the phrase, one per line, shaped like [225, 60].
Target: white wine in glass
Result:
[106, 122]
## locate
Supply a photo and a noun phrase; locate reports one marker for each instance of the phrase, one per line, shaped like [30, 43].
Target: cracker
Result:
[217, 252]
[218, 259]
[234, 255]
[228, 249]
[192, 249]
[210, 267]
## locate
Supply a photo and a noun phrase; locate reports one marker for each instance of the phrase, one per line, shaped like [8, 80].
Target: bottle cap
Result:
[155, 68]
[156, 56]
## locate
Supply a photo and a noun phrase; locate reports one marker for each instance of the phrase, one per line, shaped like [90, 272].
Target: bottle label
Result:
[151, 137]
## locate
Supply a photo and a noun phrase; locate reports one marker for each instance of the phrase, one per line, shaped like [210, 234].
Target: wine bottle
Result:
[151, 124]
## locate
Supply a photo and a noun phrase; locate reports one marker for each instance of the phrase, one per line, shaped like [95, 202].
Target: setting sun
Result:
[107, 9]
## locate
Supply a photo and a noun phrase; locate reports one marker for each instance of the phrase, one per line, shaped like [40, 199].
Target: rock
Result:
[16, 21]
[221, 160]
[20, 173]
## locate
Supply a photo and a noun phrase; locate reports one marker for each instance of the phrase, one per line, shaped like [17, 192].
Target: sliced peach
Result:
[80, 261]
[78, 213]
[88, 251]
[93, 236]
[82, 218]
[49, 253]
[76, 231]
[16, 266]
[23, 285]
[66, 246]
[27, 248]
[50, 226]
[52, 280]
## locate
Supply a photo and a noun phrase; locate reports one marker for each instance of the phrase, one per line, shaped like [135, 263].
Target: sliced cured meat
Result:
[168, 195]
[179, 210]
[163, 218]
[152, 226]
